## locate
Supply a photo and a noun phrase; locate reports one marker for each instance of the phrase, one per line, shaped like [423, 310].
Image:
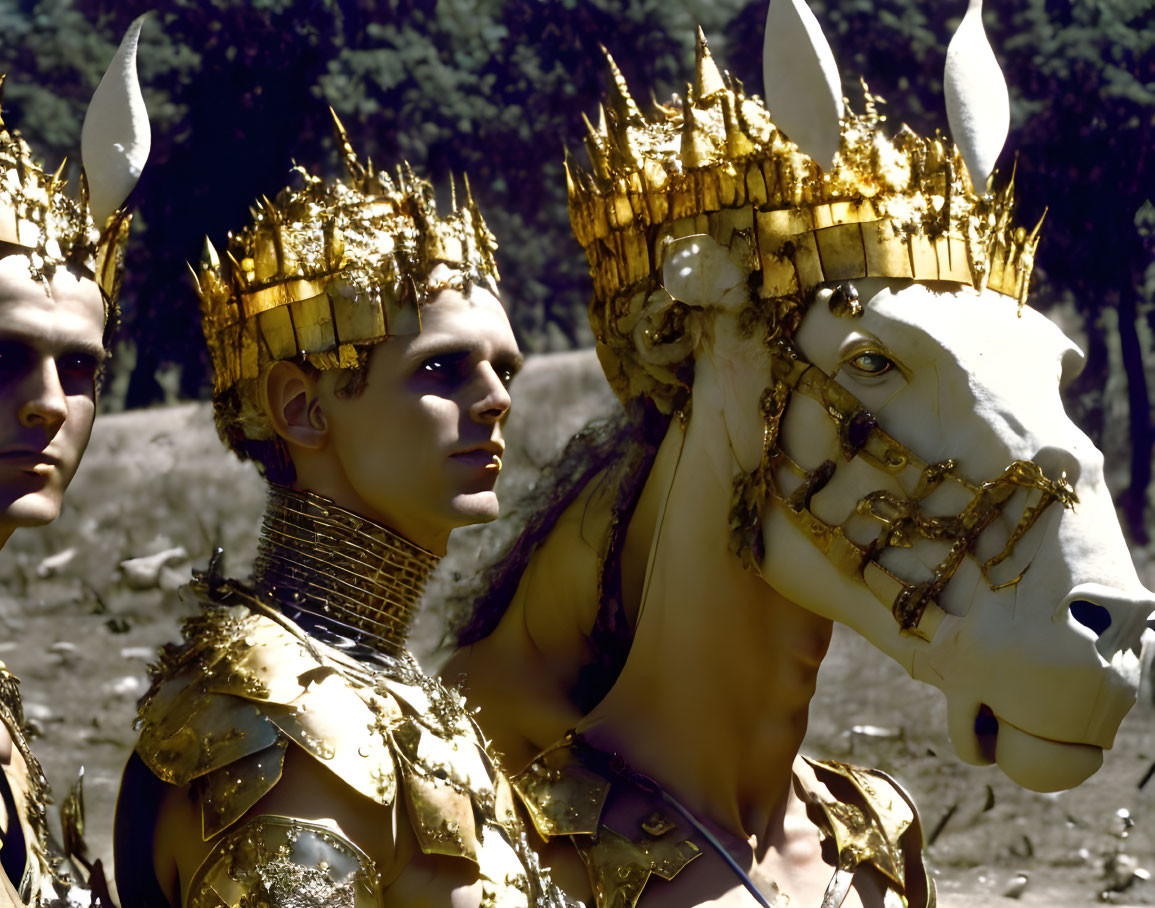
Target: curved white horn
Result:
[977, 104]
[802, 86]
[115, 139]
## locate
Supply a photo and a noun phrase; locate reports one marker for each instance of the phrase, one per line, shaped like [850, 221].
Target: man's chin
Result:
[30, 511]
[476, 507]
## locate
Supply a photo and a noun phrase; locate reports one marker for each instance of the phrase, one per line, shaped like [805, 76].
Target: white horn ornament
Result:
[978, 106]
[801, 83]
[115, 139]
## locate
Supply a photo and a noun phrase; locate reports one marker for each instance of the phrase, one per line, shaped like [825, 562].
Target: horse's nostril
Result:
[987, 732]
[1094, 617]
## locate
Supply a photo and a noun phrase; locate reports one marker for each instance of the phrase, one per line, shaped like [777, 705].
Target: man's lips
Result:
[28, 459]
[484, 457]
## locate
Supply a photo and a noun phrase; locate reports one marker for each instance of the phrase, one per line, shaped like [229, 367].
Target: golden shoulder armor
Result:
[247, 684]
[282, 862]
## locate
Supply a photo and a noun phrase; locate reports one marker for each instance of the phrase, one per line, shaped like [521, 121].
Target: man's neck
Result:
[712, 702]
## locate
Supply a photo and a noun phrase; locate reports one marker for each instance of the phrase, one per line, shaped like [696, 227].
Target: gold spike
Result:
[452, 192]
[622, 154]
[60, 170]
[576, 176]
[82, 196]
[238, 273]
[603, 129]
[469, 203]
[348, 155]
[696, 147]
[210, 257]
[618, 94]
[738, 144]
[569, 180]
[196, 278]
[594, 149]
[707, 80]
[283, 264]
[1033, 239]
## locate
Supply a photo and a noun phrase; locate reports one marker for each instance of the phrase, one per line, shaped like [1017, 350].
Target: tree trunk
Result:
[1133, 501]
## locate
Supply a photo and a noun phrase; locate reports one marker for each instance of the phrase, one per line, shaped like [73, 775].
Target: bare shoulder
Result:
[519, 675]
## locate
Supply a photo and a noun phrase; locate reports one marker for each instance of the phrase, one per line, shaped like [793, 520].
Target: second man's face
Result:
[421, 444]
[51, 351]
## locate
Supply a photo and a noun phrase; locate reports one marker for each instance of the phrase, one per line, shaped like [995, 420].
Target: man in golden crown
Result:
[838, 408]
[60, 269]
[291, 750]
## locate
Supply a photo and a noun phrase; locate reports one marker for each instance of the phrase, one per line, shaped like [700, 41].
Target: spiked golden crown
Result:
[331, 267]
[713, 162]
[40, 218]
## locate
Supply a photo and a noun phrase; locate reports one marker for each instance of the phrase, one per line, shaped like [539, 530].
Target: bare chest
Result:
[796, 877]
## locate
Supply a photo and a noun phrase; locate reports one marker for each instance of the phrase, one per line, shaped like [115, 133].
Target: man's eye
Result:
[871, 362]
[444, 366]
[80, 365]
[15, 359]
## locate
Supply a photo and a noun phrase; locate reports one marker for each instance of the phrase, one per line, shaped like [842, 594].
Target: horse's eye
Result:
[871, 362]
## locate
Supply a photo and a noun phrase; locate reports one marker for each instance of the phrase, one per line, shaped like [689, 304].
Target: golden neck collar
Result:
[316, 557]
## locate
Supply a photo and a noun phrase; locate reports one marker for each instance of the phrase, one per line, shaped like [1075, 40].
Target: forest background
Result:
[496, 89]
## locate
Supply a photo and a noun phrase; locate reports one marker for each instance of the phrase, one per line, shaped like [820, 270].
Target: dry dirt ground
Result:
[79, 629]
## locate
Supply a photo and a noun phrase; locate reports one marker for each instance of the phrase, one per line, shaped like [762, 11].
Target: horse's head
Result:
[903, 463]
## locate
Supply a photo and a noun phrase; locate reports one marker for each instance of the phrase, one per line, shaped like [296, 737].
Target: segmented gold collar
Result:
[316, 557]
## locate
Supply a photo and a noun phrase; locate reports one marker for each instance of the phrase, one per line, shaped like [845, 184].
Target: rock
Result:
[1017, 886]
[39, 712]
[1121, 871]
[144, 573]
[64, 649]
[54, 564]
[126, 686]
[142, 653]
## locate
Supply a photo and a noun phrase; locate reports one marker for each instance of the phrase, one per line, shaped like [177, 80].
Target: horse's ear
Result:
[801, 83]
[115, 139]
[978, 106]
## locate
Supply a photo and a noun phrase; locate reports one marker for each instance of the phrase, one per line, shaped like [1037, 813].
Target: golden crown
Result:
[714, 163]
[332, 267]
[39, 218]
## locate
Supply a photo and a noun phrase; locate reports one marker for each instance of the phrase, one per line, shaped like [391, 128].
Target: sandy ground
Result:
[80, 629]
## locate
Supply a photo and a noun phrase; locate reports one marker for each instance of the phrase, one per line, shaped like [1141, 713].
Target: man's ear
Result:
[293, 406]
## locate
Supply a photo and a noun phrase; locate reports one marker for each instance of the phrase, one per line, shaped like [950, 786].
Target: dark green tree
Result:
[496, 89]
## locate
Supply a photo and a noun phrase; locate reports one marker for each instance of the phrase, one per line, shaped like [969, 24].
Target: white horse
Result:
[712, 698]
[899, 462]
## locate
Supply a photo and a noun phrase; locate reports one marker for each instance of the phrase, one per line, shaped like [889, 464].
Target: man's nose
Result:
[44, 400]
[494, 401]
